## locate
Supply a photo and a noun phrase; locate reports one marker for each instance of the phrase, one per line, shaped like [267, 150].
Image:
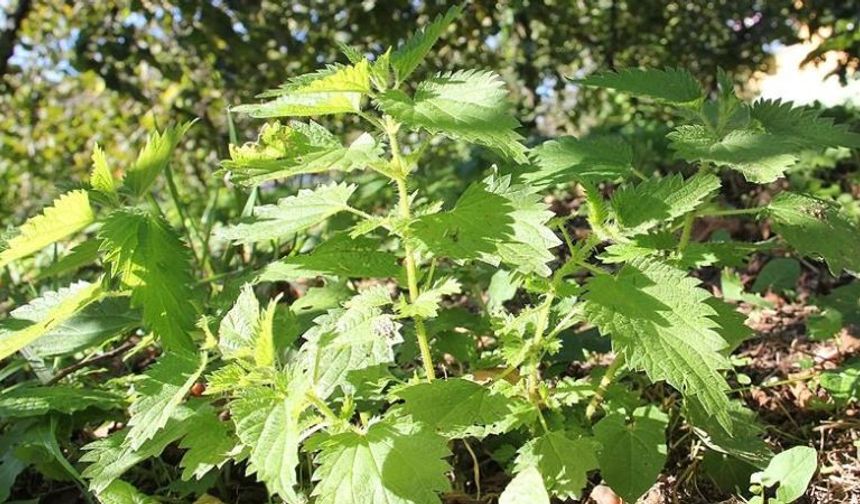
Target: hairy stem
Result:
[540, 329]
[607, 379]
[686, 231]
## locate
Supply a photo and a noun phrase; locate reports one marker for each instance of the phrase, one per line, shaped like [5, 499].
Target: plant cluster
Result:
[417, 327]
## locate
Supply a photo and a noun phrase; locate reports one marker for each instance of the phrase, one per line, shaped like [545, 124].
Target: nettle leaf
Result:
[640, 208]
[672, 85]
[843, 384]
[238, 328]
[291, 215]
[803, 126]
[634, 452]
[567, 159]
[210, 444]
[426, 305]
[761, 157]
[493, 222]
[44, 314]
[67, 215]
[457, 407]
[660, 321]
[297, 148]
[154, 158]
[343, 341]
[162, 390]
[336, 89]
[563, 462]
[526, 487]
[268, 423]
[39, 401]
[467, 105]
[120, 492]
[744, 442]
[148, 256]
[816, 228]
[340, 256]
[790, 472]
[101, 176]
[391, 463]
[406, 58]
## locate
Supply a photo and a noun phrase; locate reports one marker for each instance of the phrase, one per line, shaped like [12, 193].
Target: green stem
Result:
[607, 379]
[733, 211]
[686, 231]
[327, 412]
[540, 329]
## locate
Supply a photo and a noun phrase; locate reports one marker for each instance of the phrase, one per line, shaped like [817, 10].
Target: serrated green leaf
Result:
[291, 215]
[569, 159]
[387, 464]
[148, 256]
[816, 228]
[526, 487]
[743, 443]
[238, 328]
[467, 105]
[563, 462]
[659, 319]
[803, 126]
[210, 444]
[83, 254]
[67, 215]
[162, 389]
[634, 452]
[426, 305]
[640, 208]
[120, 492]
[759, 156]
[670, 85]
[298, 148]
[154, 158]
[456, 407]
[495, 223]
[39, 401]
[406, 58]
[44, 314]
[101, 176]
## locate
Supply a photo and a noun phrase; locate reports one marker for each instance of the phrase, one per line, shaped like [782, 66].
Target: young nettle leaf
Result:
[154, 158]
[120, 492]
[210, 444]
[802, 126]
[789, 472]
[568, 158]
[291, 215]
[336, 89]
[671, 85]
[634, 451]
[44, 314]
[467, 105]
[660, 321]
[426, 305]
[394, 463]
[564, 462]
[39, 401]
[67, 215]
[526, 487]
[101, 176]
[148, 257]
[297, 148]
[238, 329]
[816, 228]
[406, 58]
[162, 390]
[640, 208]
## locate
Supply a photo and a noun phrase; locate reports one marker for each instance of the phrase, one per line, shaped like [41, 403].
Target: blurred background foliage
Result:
[78, 72]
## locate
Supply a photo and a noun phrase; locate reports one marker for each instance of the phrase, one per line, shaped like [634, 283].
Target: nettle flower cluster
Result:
[337, 396]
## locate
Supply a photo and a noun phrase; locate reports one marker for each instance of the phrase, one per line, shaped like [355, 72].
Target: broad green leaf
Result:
[426, 305]
[803, 126]
[267, 422]
[67, 215]
[744, 442]
[154, 158]
[45, 314]
[495, 223]
[843, 384]
[759, 156]
[39, 401]
[456, 407]
[264, 346]
[779, 274]
[120, 492]
[815, 228]
[210, 444]
[389, 464]
[844, 299]
[406, 58]
[525, 488]
[335, 90]
[286, 150]
[340, 256]
[83, 254]
[729, 474]
[660, 321]
[148, 256]
[563, 462]
[101, 176]
[10, 465]
[467, 105]
[732, 324]
[634, 452]
[291, 215]
[671, 85]
[790, 472]
[238, 328]
[640, 208]
[568, 159]
[162, 389]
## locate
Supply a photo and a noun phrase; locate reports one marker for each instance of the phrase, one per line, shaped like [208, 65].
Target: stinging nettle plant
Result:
[338, 396]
